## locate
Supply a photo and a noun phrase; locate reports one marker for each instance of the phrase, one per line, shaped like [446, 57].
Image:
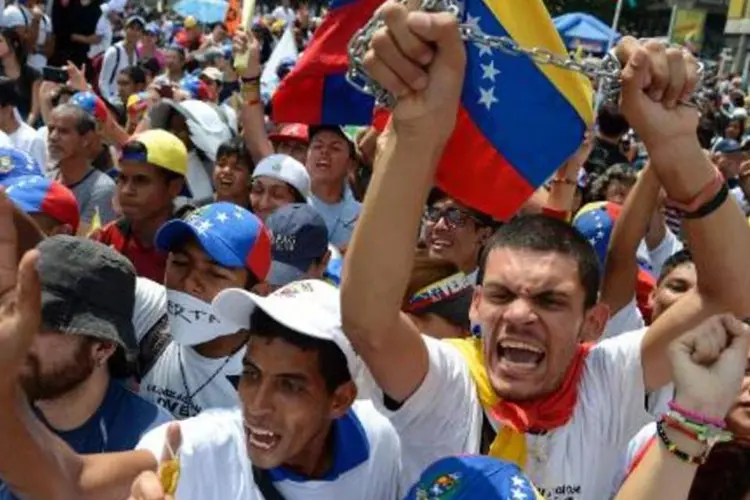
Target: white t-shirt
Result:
[579, 460]
[104, 30]
[27, 140]
[181, 380]
[627, 319]
[38, 59]
[214, 462]
[112, 64]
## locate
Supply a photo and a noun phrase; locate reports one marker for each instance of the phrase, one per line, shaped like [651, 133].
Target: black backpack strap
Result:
[265, 484]
[153, 345]
[117, 65]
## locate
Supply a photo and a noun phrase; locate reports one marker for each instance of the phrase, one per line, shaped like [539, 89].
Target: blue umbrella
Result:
[204, 11]
[579, 28]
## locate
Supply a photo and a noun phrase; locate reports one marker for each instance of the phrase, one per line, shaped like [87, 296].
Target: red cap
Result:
[292, 132]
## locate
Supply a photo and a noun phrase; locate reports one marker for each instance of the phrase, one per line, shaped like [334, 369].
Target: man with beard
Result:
[73, 369]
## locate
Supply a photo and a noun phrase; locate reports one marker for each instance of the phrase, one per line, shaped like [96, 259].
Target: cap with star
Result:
[39, 195]
[16, 163]
[470, 477]
[228, 233]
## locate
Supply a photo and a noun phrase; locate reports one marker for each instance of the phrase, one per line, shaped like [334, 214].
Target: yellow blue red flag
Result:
[518, 121]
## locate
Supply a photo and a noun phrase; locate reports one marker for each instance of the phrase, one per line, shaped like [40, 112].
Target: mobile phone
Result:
[53, 74]
[166, 91]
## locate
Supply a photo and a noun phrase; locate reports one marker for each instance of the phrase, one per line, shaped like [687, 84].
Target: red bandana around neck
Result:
[549, 412]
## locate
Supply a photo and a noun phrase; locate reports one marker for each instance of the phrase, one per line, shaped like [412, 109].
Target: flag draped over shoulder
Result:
[518, 121]
[316, 90]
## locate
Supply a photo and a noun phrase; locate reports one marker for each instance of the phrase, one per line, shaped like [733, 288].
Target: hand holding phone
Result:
[54, 74]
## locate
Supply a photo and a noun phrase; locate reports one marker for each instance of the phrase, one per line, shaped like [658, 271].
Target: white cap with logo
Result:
[286, 169]
[309, 307]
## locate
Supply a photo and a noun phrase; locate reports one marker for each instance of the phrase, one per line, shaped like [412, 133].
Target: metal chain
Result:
[605, 72]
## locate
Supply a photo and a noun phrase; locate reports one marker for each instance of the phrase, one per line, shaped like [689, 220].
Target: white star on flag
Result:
[473, 22]
[518, 481]
[483, 50]
[600, 234]
[489, 71]
[222, 217]
[239, 215]
[487, 97]
[518, 494]
[592, 241]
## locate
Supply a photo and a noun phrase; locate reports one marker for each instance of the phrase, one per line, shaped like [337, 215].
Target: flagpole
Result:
[615, 24]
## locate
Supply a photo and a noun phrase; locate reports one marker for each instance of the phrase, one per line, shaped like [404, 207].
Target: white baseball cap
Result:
[286, 169]
[309, 307]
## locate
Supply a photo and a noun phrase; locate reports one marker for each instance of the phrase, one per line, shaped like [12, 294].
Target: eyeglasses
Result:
[454, 217]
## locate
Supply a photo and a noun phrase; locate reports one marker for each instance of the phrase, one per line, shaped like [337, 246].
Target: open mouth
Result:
[519, 356]
[440, 244]
[226, 183]
[261, 439]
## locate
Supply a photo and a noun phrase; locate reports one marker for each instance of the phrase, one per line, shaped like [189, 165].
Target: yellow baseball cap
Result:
[162, 149]
[190, 22]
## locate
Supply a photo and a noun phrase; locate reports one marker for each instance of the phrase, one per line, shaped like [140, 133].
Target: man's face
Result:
[295, 149]
[190, 270]
[173, 61]
[530, 309]
[617, 192]
[63, 140]
[219, 33]
[142, 191]
[286, 406]
[56, 364]
[451, 233]
[125, 87]
[328, 158]
[231, 178]
[267, 194]
[673, 287]
[133, 33]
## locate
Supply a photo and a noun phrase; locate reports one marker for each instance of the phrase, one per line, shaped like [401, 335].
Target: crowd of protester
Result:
[199, 303]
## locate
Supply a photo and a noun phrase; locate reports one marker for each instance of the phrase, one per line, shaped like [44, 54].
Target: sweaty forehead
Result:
[531, 270]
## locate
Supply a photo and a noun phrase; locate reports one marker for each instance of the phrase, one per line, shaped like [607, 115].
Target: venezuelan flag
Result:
[316, 90]
[518, 121]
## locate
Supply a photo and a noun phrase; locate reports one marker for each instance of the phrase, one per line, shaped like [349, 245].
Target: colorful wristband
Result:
[697, 417]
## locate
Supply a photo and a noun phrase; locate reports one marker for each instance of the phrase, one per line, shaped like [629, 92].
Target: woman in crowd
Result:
[13, 64]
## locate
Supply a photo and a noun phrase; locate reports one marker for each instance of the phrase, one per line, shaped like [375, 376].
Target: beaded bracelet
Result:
[696, 417]
[674, 450]
[705, 433]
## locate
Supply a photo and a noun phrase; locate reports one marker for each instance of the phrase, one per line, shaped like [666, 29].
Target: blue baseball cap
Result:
[299, 237]
[35, 194]
[726, 146]
[228, 233]
[16, 163]
[470, 477]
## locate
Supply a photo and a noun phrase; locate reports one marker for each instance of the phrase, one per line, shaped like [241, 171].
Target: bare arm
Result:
[718, 243]
[621, 269]
[377, 269]
[380, 256]
[654, 81]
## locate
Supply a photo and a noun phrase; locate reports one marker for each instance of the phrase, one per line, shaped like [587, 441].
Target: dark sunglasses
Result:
[454, 217]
